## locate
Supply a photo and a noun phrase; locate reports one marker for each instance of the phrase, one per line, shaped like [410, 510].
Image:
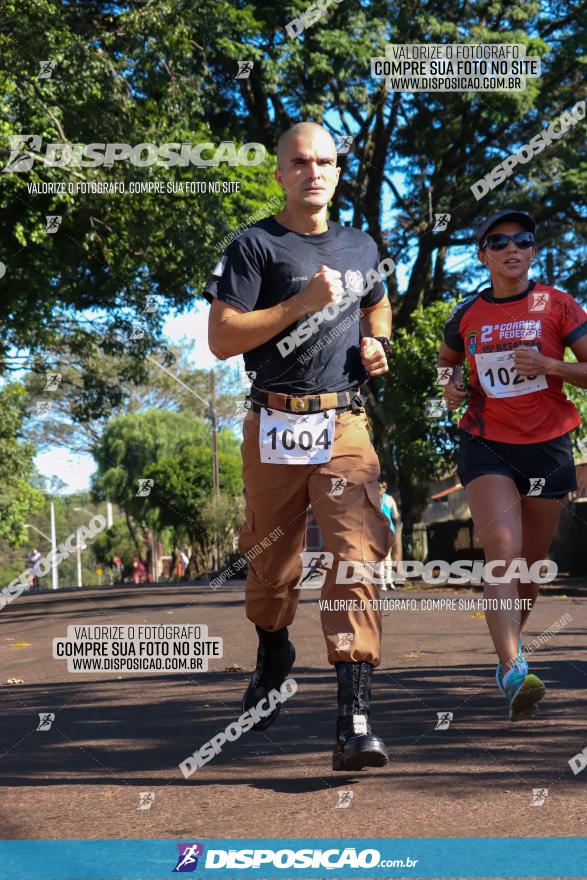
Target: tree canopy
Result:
[165, 72]
[157, 466]
[18, 496]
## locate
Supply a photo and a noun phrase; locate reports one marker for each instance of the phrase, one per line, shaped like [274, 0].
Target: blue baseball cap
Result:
[505, 214]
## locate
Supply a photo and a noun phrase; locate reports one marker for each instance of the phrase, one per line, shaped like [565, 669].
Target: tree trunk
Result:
[419, 280]
[133, 533]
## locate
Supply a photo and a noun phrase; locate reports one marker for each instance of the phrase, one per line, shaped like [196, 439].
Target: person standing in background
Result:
[390, 509]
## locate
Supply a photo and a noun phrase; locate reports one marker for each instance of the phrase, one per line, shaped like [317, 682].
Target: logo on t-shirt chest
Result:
[505, 335]
[353, 280]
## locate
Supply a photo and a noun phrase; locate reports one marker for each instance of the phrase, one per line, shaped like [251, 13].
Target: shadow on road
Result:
[112, 730]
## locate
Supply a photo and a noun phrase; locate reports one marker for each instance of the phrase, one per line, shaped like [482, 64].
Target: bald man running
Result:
[302, 298]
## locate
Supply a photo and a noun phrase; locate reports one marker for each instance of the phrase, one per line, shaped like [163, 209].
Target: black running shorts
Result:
[544, 470]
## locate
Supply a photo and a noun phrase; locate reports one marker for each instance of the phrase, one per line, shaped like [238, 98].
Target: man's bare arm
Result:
[232, 331]
[376, 321]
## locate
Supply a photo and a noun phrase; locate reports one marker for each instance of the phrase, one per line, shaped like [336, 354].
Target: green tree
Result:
[18, 497]
[142, 74]
[117, 541]
[414, 448]
[164, 72]
[183, 488]
[132, 446]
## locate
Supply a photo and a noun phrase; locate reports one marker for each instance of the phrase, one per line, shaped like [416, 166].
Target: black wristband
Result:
[385, 343]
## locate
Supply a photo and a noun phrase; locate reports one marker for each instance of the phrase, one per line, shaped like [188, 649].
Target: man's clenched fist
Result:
[373, 357]
[324, 288]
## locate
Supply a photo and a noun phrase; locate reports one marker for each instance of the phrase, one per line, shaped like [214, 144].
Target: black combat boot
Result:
[275, 658]
[356, 745]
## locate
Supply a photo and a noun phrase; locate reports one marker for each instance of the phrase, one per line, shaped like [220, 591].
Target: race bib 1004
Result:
[498, 376]
[296, 438]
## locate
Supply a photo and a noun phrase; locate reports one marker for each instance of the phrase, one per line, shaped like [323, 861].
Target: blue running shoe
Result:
[498, 671]
[522, 691]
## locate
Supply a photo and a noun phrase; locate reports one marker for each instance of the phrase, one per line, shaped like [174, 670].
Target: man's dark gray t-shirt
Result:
[268, 264]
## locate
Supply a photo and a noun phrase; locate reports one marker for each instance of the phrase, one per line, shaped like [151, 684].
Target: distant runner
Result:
[390, 510]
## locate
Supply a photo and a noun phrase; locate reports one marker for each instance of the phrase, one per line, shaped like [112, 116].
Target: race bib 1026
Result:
[498, 376]
[296, 438]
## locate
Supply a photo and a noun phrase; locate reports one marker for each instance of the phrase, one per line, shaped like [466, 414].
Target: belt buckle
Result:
[298, 404]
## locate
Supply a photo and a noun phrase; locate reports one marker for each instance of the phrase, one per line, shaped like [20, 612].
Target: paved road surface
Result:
[115, 736]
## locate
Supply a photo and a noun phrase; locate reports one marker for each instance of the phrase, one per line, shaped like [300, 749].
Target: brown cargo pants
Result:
[352, 526]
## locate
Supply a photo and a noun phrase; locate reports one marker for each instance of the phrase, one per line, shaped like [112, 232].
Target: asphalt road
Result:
[116, 736]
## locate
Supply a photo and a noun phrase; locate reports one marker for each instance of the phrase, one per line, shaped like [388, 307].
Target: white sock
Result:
[521, 666]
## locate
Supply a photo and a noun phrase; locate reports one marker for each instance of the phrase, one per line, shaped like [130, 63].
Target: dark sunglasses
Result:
[499, 241]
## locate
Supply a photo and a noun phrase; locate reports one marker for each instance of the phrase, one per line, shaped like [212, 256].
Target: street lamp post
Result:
[53, 541]
[215, 468]
[80, 545]
[42, 534]
[153, 556]
[54, 579]
[78, 553]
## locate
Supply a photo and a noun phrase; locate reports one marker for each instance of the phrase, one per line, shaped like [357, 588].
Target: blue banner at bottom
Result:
[427, 857]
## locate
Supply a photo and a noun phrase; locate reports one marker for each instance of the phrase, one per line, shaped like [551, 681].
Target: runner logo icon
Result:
[443, 375]
[187, 861]
[344, 799]
[344, 641]
[244, 69]
[314, 568]
[441, 222]
[344, 143]
[444, 719]
[536, 485]
[338, 484]
[46, 719]
[538, 301]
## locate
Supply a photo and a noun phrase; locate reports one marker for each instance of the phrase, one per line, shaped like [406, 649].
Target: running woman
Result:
[516, 460]
[297, 295]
